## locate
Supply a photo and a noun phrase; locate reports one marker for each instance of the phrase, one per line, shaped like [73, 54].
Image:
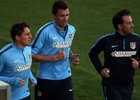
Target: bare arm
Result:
[71, 54]
[43, 58]
[74, 58]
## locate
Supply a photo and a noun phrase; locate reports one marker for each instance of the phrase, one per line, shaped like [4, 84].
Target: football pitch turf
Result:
[91, 18]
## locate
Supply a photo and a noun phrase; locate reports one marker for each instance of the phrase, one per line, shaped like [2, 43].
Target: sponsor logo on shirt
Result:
[113, 46]
[123, 53]
[22, 67]
[62, 44]
[16, 61]
[55, 37]
[70, 90]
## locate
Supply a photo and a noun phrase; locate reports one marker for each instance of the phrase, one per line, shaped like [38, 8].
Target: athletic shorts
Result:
[27, 98]
[117, 92]
[54, 89]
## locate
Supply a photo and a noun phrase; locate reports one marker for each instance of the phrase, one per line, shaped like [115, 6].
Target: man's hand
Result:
[22, 83]
[75, 60]
[135, 63]
[32, 84]
[104, 73]
[60, 55]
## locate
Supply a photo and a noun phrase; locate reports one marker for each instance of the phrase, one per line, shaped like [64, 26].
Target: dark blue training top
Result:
[117, 50]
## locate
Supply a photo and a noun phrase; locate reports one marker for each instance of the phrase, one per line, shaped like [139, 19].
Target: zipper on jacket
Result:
[23, 56]
[124, 43]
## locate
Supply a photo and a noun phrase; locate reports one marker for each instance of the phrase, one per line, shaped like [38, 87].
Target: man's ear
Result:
[53, 15]
[17, 37]
[119, 26]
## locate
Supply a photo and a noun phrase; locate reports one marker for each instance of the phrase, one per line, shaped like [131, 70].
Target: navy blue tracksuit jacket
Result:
[117, 50]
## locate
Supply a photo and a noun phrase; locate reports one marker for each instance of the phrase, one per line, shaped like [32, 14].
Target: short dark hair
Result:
[117, 18]
[18, 29]
[59, 4]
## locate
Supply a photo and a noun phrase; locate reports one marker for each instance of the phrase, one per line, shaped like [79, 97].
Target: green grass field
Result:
[91, 18]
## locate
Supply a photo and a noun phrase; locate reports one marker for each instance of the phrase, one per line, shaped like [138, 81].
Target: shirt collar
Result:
[18, 48]
[118, 34]
[58, 28]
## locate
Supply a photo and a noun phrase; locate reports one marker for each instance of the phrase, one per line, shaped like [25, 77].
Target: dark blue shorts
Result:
[54, 89]
[117, 92]
[27, 98]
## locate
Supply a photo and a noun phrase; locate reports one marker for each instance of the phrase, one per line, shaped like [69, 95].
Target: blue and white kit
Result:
[15, 63]
[49, 40]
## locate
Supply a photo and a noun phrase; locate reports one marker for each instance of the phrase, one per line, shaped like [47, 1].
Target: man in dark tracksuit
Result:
[121, 50]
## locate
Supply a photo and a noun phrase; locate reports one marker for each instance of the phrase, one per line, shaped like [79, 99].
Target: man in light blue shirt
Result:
[53, 42]
[15, 62]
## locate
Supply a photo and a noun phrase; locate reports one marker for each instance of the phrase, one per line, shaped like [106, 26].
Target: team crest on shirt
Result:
[30, 57]
[39, 93]
[70, 36]
[133, 45]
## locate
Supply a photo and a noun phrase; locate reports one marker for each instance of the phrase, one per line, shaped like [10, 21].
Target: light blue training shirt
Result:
[48, 41]
[15, 63]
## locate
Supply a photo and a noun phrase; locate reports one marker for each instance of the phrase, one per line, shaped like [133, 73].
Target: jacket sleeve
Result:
[33, 78]
[39, 41]
[94, 54]
[10, 80]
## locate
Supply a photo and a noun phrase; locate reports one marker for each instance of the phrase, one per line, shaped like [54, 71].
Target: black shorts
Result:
[54, 89]
[27, 98]
[117, 92]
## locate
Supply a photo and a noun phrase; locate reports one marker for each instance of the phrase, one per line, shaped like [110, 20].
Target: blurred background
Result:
[91, 18]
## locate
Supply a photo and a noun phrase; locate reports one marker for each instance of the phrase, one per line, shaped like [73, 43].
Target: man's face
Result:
[127, 26]
[25, 38]
[61, 18]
